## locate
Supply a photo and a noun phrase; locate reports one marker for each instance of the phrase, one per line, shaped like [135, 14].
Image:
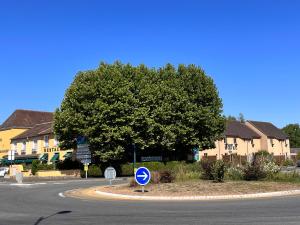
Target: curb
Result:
[199, 198]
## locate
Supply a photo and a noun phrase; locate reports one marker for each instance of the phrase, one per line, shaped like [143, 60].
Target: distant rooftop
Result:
[26, 119]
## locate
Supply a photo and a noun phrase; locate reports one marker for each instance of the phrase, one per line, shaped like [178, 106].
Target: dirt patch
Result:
[203, 188]
[191, 188]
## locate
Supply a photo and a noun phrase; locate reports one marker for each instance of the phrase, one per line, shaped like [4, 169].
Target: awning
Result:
[68, 155]
[20, 159]
[55, 157]
[44, 157]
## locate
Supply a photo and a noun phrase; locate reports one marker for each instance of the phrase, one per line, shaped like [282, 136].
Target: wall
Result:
[244, 147]
[41, 147]
[5, 136]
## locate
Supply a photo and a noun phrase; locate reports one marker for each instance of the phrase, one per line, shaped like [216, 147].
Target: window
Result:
[46, 140]
[34, 145]
[23, 150]
[56, 142]
[234, 141]
[252, 142]
[272, 142]
[225, 140]
[285, 142]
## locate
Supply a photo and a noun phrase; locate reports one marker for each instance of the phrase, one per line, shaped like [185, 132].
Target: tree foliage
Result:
[117, 105]
[293, 131]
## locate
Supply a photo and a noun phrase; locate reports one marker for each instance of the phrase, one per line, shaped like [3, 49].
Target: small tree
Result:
[34, 167]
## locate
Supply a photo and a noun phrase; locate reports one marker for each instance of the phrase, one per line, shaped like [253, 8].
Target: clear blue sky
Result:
[250, 48]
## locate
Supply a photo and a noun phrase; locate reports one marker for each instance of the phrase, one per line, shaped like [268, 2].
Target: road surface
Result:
[40, 204]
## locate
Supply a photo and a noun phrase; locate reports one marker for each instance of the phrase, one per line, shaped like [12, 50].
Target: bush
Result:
[46, 166]
[94, 171]
[270, 168]
[254, 171]
[288, 162]
[206, 169]
[234, 173]
[34, 166]
[68, 164]
[218, 171]
[166, 176]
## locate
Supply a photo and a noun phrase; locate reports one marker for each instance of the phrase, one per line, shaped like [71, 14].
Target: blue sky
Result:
[250, 48]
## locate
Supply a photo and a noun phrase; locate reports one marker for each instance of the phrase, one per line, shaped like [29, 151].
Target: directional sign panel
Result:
[142, 176]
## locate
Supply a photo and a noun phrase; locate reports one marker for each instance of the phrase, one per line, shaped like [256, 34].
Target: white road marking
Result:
[61, 195]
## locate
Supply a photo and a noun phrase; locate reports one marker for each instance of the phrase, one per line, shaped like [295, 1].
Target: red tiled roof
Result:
[26, 119]
[37, 130]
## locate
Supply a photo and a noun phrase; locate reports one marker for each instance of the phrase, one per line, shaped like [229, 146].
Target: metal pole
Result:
[134, 157]
[86, 174]
[143, 188]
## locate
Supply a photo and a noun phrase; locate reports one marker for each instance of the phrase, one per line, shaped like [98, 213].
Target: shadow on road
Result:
[44, 218]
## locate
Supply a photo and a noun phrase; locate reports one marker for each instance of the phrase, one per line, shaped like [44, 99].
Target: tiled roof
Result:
[37, 130]
[26, 119]
[269, 129]
[238, 129]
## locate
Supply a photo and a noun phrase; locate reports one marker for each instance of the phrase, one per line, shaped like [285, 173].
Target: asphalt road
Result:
[40, 204]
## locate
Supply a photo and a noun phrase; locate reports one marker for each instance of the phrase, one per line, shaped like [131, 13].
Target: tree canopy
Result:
[293, 131]
[117, 105]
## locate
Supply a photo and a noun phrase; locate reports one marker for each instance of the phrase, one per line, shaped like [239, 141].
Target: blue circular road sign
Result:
[142, 176]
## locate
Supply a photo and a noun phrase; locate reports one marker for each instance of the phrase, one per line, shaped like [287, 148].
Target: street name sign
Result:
[142, 176]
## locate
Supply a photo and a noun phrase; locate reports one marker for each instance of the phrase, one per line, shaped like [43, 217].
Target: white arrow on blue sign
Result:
[142, 176]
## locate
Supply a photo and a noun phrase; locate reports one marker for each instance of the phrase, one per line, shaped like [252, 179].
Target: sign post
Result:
[110, 174]
[86, 168]
[142, 177]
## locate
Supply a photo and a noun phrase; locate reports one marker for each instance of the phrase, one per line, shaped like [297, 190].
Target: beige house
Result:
[244, 139]
[272, 139]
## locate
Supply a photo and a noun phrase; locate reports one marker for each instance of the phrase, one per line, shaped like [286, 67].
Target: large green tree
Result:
[115, 106]
[293, 131]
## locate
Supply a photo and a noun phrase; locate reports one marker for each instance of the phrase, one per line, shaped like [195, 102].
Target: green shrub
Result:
[270, 168]
[288, 162]
[127, 169]
[69, 164]
[234, 173]
[218, 171]
[46, 166]
[94, 171]
[254, 171]
[34, 166]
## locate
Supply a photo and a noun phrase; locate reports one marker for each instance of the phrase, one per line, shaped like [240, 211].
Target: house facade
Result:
[40, 143]
[18, 122]
[245, 139]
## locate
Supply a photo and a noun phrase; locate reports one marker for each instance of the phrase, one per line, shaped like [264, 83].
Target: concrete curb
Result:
[199, 198]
